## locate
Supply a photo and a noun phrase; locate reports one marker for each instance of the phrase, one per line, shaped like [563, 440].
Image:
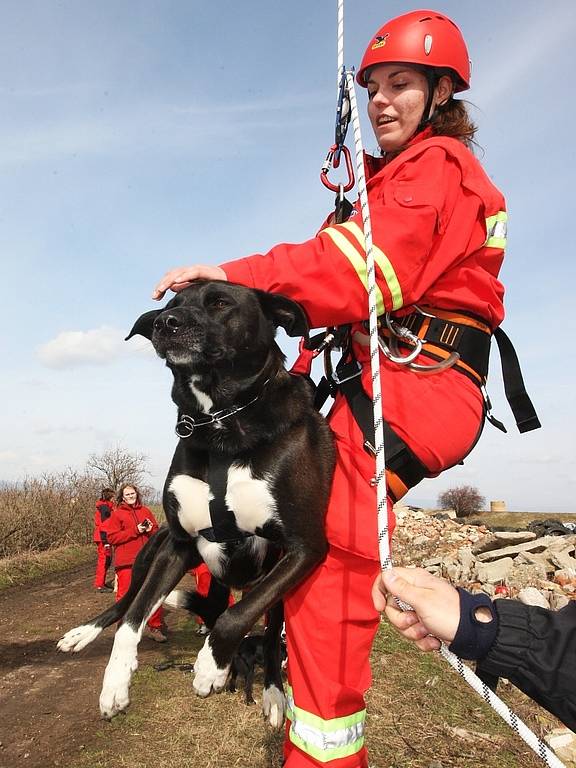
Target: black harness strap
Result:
[518, 399]
[224, 528]
[399, 458]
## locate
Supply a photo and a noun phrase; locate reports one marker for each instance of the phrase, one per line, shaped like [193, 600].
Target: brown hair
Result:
[120, 495]
[452, 119]
[106, 494]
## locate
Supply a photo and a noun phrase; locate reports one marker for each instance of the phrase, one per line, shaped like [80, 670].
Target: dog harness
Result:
[224, 528]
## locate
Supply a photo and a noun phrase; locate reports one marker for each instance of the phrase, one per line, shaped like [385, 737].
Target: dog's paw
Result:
[208, 676]
[78, 638]
[274, 706]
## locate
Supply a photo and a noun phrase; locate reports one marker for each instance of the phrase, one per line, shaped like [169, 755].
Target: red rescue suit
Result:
[104, 551]
[438, 227]
[122, 531]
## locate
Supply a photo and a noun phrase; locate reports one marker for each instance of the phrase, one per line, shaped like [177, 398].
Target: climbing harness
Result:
[392, 336]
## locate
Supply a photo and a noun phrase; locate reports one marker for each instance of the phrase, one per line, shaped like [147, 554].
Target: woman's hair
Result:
[120, 495]
[452, 119]
[106, 494]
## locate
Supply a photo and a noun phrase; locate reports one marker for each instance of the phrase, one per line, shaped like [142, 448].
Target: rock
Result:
[563, 742]
[533, 596]
[538, 545]
[557, 602]
[494, 572]
[524, 575]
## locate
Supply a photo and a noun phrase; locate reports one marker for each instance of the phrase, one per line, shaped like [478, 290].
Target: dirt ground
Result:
[48, 699]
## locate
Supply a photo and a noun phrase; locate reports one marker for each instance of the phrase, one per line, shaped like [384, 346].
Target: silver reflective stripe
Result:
[496, 230]
[325, 740]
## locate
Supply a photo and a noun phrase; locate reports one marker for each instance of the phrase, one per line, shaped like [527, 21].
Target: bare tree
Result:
[465, 500]
[117, 466]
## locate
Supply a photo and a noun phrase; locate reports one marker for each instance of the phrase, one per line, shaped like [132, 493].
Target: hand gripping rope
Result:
[347, 95]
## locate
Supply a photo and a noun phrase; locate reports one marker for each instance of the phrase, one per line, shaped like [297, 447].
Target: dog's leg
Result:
[170, 564]
[79, 637]
[248, 684]
[213, 661]
[273, 699]
[208, 607]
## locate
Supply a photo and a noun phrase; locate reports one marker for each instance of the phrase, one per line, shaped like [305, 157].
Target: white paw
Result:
[123, 662]
[208, 676]
[78, 638]
[274, 706]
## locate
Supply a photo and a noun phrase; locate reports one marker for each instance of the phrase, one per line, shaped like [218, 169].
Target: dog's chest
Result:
[247, 500]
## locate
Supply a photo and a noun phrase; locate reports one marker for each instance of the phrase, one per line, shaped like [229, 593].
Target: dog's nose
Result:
[168, 322]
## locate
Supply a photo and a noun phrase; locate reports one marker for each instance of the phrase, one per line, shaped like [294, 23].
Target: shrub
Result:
[52, 510]
[465, 500]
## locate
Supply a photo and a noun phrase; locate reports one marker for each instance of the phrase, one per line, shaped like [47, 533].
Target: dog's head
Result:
[214, 322]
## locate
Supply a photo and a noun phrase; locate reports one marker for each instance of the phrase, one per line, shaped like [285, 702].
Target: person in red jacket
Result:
[128, 528]
[104, 507]
[439, 232]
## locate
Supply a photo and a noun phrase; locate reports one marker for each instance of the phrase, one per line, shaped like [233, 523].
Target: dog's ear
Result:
[144, 325]
[284, 312]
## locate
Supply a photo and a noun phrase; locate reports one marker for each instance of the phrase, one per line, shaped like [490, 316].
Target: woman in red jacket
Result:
[439, 229]
[128, 528]
[104, 507]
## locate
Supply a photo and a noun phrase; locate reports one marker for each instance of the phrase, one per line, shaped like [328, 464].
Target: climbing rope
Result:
[510, 717]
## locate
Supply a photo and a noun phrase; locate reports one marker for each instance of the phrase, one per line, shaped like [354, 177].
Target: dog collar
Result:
[186, 424]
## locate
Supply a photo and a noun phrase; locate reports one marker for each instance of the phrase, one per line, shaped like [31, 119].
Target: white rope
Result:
[380, 476]
[340, 44]
[508, 715]
[471, 678]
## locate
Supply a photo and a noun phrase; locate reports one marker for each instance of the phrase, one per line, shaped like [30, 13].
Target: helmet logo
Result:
[380, 41]
[427, 44]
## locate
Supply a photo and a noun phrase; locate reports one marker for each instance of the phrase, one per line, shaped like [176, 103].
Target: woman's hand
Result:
[179, 278]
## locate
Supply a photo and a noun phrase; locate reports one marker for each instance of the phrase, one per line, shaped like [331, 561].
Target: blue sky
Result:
[138, 136]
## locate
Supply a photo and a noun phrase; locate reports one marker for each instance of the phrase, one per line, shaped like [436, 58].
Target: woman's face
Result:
[129, 495]
[397, 96]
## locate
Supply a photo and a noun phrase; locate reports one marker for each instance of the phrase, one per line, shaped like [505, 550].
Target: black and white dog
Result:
[247, 489]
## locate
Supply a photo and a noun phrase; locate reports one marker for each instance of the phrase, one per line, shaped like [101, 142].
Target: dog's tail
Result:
[208, 607]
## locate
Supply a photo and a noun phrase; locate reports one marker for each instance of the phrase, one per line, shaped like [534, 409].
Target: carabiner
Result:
[330, 162]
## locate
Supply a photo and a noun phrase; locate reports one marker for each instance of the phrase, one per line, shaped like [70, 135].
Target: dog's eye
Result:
[219, 303]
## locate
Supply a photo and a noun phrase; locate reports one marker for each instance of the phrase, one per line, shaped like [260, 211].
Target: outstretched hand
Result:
[436, 605]
[180, 277]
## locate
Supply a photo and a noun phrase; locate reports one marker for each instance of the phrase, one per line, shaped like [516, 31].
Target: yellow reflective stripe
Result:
[496, 229]
[357, 261]
[357, 257]
[383, 262]
[325, 740]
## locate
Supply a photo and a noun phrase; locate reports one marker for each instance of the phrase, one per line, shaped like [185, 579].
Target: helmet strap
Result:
[428, 112]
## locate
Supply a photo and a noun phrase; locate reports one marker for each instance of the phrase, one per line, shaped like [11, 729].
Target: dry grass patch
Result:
[420, 714]
[30, 566]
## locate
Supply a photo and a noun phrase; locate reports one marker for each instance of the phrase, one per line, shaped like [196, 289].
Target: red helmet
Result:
[426, 38]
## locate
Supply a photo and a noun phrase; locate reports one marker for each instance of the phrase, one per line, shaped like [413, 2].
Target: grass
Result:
[420, 714]
[30, 566]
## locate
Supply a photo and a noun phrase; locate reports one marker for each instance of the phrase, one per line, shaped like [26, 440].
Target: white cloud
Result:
[101, 346]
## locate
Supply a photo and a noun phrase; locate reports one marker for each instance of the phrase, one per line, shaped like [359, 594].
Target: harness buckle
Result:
[340, 379]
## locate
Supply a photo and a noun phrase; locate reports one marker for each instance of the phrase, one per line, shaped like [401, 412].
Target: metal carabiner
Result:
[331, 162]
[343, 114]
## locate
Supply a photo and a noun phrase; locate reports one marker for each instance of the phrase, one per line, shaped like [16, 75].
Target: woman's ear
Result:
[443, 90]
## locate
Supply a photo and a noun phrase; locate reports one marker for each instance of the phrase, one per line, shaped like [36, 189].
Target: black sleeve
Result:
[536, 650]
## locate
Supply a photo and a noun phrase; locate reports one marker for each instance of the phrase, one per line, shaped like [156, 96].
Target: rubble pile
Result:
[539, 570]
